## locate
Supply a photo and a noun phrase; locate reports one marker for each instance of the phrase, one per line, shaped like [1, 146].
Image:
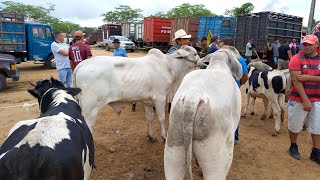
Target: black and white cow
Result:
[57, 145]
[270, 86]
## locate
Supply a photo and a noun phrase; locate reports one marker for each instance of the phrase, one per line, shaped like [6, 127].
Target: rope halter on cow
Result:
[44, 94]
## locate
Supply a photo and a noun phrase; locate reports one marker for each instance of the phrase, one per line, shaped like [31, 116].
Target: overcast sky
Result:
[87, 12]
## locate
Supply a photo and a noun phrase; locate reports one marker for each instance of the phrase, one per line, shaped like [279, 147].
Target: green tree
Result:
[39, 13]
[64, 26]
[245, 8]
[188, 10]
[122, 14]
[160, 14]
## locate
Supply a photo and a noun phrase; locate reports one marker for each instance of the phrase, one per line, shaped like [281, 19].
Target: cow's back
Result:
[50, 148]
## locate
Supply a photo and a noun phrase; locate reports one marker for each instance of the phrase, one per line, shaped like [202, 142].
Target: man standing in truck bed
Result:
[79, 51]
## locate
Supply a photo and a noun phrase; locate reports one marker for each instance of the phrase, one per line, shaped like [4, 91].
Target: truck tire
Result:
[132, 50]
[3, 82]
[107, 48]
[50, 62]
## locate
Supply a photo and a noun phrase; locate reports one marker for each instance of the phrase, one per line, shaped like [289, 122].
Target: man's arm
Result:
[305, 78]
[300, 89]
[125, 53]
[243, 79]
[88, 52]
[64, 52]
[289, 54]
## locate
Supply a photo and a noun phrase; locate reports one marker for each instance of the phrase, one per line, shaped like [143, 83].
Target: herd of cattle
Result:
[206, 109]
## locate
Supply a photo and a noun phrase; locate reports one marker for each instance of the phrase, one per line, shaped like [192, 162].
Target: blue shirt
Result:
[173, 49]
[213, 48]
[120, 52]
[244, 68]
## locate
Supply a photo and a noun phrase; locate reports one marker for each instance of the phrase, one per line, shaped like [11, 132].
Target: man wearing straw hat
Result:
[181, 38]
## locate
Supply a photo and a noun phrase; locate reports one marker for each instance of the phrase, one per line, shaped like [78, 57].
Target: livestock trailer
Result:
[111, 30]
[189, 24]
[264, 27]
[219, 25]
[157, 33]
[134, 31]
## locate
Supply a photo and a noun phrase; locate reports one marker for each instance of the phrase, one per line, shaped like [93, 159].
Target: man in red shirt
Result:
[304, 103]
[79, 51]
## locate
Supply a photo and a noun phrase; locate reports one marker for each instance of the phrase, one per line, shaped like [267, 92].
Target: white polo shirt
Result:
[61, 60]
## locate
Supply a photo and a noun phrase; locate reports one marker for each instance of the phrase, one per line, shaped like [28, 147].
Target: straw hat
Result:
[181, 34]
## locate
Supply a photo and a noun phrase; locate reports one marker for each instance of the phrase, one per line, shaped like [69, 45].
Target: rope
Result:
[24, 106]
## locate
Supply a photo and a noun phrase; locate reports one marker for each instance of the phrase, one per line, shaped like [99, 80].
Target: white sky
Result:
[87, 12]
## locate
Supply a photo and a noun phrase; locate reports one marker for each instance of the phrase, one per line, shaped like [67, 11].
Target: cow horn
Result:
[32, 84]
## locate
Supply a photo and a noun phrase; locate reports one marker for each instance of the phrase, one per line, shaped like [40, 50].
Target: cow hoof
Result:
[252, 113]
[152, 139]
[271, 117]
[164, 139]
[263, 117]
[275, 133]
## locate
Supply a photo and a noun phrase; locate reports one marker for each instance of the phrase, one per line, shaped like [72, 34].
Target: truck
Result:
[134, 31]
[8, 69]
[110, 30]
[264, 27]
[157, 33]
[26, 40]
[220, 26]
[189, 24]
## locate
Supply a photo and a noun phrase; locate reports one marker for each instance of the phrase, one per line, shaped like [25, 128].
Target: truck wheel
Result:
[3, 83]
[51, 62]
[132, 50]
[107, 48]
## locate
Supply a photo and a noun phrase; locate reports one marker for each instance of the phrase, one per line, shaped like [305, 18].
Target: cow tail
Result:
[192, 107]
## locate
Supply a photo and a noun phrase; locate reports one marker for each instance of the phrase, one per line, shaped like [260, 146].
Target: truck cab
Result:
[39, 39]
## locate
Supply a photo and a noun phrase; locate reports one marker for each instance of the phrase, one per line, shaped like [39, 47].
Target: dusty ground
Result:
[128, 154]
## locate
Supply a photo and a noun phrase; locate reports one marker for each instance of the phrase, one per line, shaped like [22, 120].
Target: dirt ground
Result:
[122, 151]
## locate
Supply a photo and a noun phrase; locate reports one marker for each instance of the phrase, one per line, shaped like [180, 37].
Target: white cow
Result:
[118, 80]
[270, 86]
[205, 113]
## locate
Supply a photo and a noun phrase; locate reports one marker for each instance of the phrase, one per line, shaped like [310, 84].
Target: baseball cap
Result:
[310, 39]
[203, 39]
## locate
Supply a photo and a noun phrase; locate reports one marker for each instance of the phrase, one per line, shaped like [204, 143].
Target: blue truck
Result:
[26, 40]
[218, 25]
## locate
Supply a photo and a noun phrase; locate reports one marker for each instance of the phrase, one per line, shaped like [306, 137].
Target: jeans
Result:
[275, 60]
[248, 59]
[65, 76]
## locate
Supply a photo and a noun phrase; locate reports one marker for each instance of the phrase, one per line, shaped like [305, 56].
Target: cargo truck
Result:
[26, 40]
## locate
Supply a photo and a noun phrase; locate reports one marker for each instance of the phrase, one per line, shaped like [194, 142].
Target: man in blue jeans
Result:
[61, 55]
[230, 42]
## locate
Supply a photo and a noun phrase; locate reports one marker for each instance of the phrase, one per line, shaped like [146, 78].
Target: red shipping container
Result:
[189, 24]
[157, 29]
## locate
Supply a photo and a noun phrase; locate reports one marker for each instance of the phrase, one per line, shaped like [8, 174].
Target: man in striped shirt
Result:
[304, 103]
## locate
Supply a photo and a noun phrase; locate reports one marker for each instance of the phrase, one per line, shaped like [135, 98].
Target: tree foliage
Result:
[188, 10]
[122, 14]
[245, 8]
[39, 13]
[159, 14]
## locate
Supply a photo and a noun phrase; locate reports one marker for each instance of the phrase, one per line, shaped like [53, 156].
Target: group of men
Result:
[68, 57]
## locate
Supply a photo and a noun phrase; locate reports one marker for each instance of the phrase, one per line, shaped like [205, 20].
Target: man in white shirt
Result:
[61, 55]
[249, 51]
